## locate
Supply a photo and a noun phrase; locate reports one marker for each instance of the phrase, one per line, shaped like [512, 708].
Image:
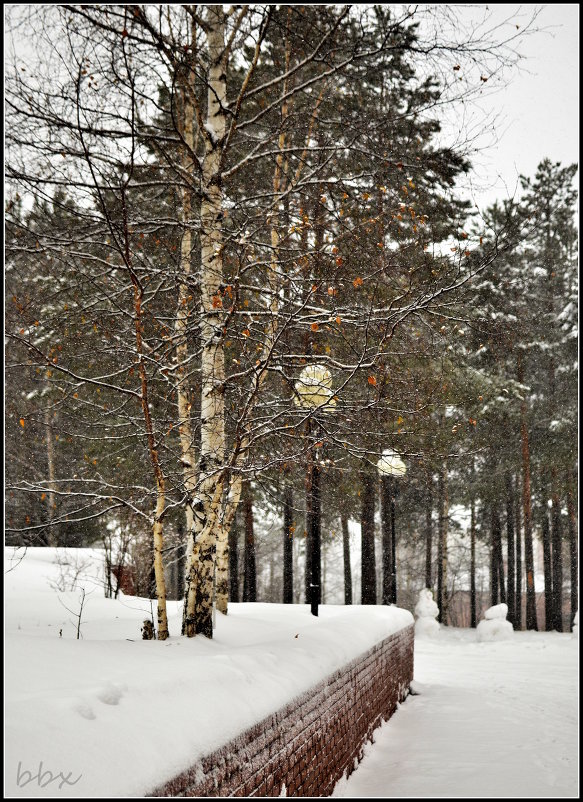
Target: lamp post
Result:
[314, 392]
[390, 466]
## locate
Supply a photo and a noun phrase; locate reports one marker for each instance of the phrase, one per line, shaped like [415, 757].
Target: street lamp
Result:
[390, 465]
[314, 392]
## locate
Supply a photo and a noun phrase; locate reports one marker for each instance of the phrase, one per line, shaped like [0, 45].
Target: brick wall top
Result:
[310, 742]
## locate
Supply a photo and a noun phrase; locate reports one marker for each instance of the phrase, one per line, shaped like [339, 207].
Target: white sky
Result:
[536, 105]
[539, 106]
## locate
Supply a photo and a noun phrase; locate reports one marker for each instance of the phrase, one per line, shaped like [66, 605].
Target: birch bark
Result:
[203, 534]
[187, 452]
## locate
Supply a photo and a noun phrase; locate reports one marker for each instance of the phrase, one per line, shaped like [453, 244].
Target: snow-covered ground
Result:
[495, 719]
[112, 715]
[124, 715]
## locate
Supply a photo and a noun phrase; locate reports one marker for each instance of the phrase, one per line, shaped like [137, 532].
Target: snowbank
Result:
[117, 715]
[495, 626]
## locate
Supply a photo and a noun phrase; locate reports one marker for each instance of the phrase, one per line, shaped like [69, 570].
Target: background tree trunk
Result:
[573, 556]
[557, 555]
[473, 612]
[429, 531]
[250, 569]
[531, 622]
[511, 598]
[346, 553]
[494, 538]
[386, 522]
[288, 541]
[234, 561]
[547, 565]
[369, 590]
[51, 536]
[443, 506]
[518, 538]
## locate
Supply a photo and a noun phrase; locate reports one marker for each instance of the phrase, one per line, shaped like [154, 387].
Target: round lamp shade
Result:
[391, 464]
[314, 389]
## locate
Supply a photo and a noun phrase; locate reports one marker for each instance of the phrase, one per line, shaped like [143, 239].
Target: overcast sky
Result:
[536, 106]
[539, 105]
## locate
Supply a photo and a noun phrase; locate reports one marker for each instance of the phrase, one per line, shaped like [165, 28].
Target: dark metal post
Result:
[386, 520]
[316, 568]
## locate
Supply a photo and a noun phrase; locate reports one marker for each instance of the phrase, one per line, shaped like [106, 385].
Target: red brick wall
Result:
[312, 741]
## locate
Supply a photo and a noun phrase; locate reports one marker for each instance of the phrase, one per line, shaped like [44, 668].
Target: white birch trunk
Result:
[158, 564]
[181, 325]
[203, 534]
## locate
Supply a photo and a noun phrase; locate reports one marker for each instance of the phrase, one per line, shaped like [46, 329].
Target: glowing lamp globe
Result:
[391, 464]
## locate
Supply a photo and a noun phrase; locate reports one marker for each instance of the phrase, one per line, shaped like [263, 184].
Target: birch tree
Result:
[255, 158]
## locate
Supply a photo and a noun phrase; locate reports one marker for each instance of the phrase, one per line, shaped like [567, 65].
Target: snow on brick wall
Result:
[310, 743]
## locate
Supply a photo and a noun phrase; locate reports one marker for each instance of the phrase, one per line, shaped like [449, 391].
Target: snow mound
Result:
[498, 611]
[495, 626]
[426, 607]
[576, 625]
[426, 628]
[426, 611]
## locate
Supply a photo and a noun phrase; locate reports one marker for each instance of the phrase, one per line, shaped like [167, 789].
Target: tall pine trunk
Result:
[387, 534]
[497, 565]
[234, 561]
[369, 591]
[531, 622]
[511, 598]
[250, 568]
[288, 541]
[494, 538]
[547, 565]
[518, 539]
[557, 555]
[473, 611]
[429, 531]
[443, 506]
[573, 556]
[346, 555]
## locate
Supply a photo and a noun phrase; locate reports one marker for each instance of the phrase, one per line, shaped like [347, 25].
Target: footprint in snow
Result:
[85, 710]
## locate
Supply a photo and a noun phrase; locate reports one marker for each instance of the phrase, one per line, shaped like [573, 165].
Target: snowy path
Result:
[496, 719]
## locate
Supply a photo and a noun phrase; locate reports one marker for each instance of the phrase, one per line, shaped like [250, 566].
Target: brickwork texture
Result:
[311, 742]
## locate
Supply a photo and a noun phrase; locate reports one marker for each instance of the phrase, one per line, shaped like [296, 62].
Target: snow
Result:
[112, 715]
[497, 611]
[426, 628]
[491, 720]
[426, 611]
[495, 626]
[426, 607]
[125, 714]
